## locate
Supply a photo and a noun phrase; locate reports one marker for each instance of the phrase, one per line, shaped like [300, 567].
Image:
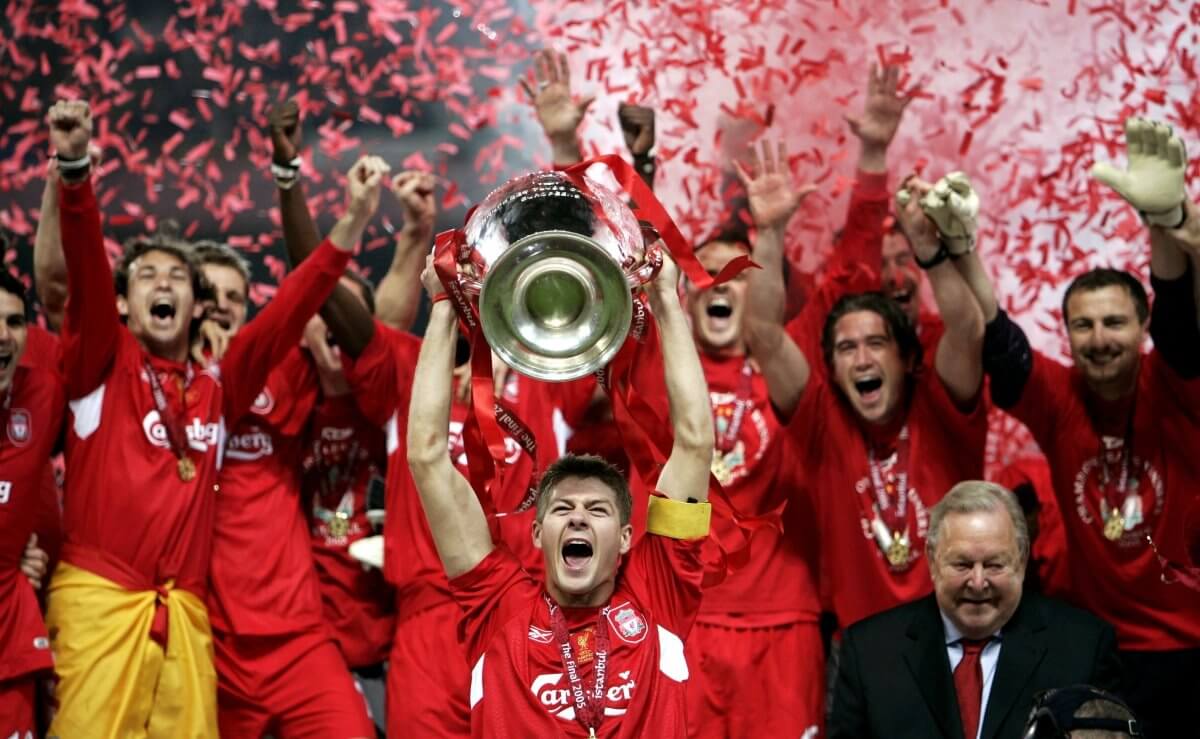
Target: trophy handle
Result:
[651, 261]
[470, 285]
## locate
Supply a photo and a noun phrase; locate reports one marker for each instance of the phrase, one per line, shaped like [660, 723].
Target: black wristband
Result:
[644, 163]
[942, 255]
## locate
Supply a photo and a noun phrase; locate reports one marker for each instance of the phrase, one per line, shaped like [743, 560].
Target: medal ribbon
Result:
[894, 518]
[589, 704]
[176, 435]
[1115, 495]
[483, 432]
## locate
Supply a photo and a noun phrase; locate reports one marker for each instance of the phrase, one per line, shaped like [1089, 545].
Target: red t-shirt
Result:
[123, 474]
[1049, 551]
[44, 350]
[1121, 581]
[29, 431]
[382, 378]
[259, 518]
[519, 686]
[761, 477]
[346, 457]
[945, 447]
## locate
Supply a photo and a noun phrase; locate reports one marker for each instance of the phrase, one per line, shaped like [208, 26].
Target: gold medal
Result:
[721, 470]
[897, 551]
[1114, 527]
[339, 525]
[186, 469]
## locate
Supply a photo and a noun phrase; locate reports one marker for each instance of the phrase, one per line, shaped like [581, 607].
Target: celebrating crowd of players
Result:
[217, 470]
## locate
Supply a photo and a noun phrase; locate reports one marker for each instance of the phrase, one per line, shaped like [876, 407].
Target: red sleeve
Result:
[382, 374]
[42, 349]
[862, 236]
[1044, 398]
[490, 594]
[1162, 380]
[665, 575]
[91, 327]
[263, 342]
[806, 430]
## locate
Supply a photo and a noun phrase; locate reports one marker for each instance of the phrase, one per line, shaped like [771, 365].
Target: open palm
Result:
[772, 195]
[882, 110]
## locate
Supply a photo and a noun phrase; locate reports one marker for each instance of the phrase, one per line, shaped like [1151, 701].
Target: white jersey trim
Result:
[87, 411]
[562, 431]
[393, 434]
[477, 682]
[671, 660]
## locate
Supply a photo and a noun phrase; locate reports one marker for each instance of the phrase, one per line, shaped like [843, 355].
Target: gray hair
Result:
[978, 496]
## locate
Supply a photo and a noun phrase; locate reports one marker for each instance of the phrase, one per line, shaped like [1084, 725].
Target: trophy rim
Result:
[515, 252]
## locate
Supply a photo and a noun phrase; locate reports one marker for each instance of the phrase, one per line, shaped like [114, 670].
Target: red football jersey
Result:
[345, 458]
[519, 686]
[29, 431]
[124, 476]
[382, 378]
[760, 476]
[945, 447]
[1120, 579]
[259, 517]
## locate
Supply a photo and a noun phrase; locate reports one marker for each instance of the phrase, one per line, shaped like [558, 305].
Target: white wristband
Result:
[286, 175]
[74, 164]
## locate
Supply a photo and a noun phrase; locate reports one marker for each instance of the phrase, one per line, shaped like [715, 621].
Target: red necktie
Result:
[968, 684]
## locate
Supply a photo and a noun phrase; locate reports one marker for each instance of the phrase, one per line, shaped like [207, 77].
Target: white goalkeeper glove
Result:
[1153, 181]
[953, 205]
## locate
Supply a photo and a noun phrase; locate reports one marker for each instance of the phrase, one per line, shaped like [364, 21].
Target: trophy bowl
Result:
[552, 262]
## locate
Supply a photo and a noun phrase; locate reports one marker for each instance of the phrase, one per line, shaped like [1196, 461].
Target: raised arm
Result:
[1154, 184]
[685, 475]
[399, 293]
[351, 324]
[883, 109]
[455, 516]
[773, 200]
[959, 359]
[91, 326]
[49, 264]
[263, 342]
[1175, 315]
[558, 113]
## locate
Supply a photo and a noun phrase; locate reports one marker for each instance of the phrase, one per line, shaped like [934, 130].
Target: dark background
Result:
[151, 70]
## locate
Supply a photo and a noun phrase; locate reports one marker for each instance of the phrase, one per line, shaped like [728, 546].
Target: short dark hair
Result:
[215, 252]
[899, 327]
[732, 231]
[368, 290]
[585, 466]
[1102, 277]
[10, 283]
[166, 244]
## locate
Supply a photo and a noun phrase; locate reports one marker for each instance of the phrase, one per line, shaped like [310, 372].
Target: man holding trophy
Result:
[600, 641]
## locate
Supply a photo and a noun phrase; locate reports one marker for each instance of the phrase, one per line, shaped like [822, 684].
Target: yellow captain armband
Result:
[677, 520]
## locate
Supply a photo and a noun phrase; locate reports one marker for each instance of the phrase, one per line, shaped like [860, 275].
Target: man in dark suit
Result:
[967, 660]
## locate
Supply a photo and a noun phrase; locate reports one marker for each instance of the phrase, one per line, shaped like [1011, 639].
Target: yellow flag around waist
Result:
[114, 680]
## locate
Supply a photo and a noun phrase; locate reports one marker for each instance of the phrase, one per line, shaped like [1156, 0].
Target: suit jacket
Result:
[894, 677]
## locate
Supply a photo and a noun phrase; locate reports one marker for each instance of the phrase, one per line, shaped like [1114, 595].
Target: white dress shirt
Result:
[987, 662]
